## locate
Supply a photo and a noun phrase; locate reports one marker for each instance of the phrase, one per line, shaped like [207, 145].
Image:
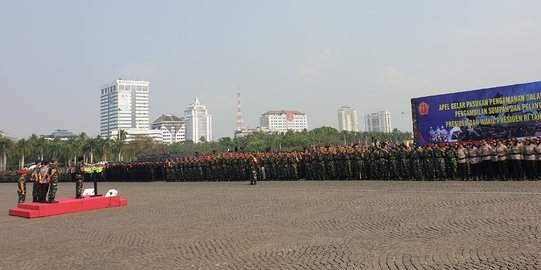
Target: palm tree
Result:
[23, 148]
[107, 148]
[38, 146]
[64, 152]
[54, 148]
[74, 148]
[5, 145]
[102, 146]
[90, 146]
[33, 142]
[118, 144]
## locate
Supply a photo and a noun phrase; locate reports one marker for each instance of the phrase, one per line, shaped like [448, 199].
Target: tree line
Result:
[16, 153]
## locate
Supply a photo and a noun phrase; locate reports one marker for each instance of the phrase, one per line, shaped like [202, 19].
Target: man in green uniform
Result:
[79, 172]
[34, 172]
[438, 158]
[22, 186]
[53, 184]
[417, 159]
[451, 162]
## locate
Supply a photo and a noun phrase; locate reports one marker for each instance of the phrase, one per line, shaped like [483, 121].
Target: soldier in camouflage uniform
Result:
[253, 164]
[79, 173]
[416, 156]
[306, 162]
[35, 184]
[374, 164]
[439, 163]
[343, 169]
[383, 164]
[366, 161]
[394, 169]
[427, 163]
[356, 163]
[451, 162]
[330, 167]
[21, 184]
[53, 184]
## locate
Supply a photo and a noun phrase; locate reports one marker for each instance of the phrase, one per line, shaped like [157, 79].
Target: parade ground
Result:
[285, 225]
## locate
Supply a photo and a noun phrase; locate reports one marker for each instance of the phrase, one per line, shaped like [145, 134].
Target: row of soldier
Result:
[498, 160]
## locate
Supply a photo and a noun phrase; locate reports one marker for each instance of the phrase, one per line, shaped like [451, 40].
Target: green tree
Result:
[54, 148]
[90, 146]
[5, 146]
[23, 149]
[256, 145]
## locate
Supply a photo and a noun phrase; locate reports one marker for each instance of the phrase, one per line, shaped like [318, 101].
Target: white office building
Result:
[198, 122]
[173, 128]
[348, 119]
[124, 104]
[378, 121]
[283, 120]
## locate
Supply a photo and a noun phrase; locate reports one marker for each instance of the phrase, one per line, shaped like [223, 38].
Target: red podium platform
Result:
[66, 205]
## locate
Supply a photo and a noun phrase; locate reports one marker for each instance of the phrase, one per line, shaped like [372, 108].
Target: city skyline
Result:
[311, 56]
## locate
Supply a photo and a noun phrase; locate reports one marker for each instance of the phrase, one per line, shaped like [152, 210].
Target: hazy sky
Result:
[311, 56]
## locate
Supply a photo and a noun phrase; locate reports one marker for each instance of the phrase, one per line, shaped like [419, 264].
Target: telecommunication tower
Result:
[240, 127]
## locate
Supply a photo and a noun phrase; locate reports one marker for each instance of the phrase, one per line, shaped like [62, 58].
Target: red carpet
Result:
[66, 205]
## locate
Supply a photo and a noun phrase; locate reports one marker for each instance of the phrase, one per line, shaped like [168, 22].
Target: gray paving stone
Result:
[286, 225]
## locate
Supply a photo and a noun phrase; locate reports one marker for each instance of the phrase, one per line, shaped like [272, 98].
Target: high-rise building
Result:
[282, 121]
[124, 104]
[348, 119]
[198, 122]
[378, 122]
[173, 128]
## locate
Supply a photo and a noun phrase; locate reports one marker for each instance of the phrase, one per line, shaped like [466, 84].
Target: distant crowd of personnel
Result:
[495, 160]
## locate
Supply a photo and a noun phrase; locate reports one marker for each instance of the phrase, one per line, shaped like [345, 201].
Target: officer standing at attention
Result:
[43, 180]
[53, 184]
[474, 160]
[22, 186]
[462, 155]
[485, 152]
[253, 169]
[529, 159]
[79, 172]
[503, 167]
[34, 172]
[515, 154]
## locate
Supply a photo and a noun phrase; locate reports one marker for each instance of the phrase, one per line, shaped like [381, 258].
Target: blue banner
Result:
[512, 111]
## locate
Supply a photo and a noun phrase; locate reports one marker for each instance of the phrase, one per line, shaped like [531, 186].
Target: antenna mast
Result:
[240, 122]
